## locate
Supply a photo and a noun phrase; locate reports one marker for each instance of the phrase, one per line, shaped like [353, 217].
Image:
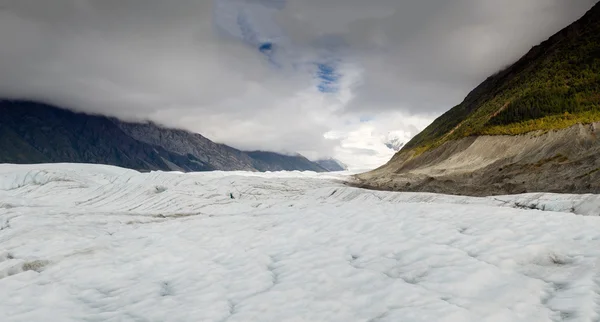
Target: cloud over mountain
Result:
[296, 75]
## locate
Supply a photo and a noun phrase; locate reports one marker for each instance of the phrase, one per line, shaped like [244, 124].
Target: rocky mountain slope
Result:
[555, 85]
[220, 156]
[523, 129]
[332, 164]
[269, 161]
[39, 133]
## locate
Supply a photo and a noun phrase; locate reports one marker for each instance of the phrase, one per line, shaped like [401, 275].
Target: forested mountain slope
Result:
[530, 127]
[554, 86]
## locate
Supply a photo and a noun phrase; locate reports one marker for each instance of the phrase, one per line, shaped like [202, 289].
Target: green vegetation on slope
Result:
[556, 85]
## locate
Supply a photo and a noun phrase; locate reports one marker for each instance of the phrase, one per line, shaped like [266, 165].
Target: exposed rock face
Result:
[565, 160]
[332, 165]
[220, 156]
[39, 133]
[269, 161]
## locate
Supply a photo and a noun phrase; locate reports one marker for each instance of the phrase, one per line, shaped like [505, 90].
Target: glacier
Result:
[99, 243]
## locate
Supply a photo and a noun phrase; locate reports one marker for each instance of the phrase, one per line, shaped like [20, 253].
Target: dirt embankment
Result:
[566, 161]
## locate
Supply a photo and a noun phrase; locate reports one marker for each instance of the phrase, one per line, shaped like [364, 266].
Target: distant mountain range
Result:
[332, 165]
[395, 144]
[39, 133]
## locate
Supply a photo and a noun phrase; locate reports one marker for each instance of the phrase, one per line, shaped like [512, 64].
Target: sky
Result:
[325, 78]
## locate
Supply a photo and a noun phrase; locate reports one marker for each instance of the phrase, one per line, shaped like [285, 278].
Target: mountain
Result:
[219, 156]
[39, 133]
[394, 140]
[530, 127]
[269, 161]
[555, 85]
[395, 144]
[332, 165]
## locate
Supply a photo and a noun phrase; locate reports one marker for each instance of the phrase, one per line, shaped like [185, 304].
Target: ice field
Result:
[100, 243]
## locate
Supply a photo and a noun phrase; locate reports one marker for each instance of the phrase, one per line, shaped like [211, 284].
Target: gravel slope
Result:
[564, 161]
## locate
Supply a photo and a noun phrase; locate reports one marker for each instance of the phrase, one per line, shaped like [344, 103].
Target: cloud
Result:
[364, 144]
[295, 75]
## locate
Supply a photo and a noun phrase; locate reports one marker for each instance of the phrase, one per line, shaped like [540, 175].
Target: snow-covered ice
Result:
[100, 243]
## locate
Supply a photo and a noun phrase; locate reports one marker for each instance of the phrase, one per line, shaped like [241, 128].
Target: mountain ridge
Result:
[532, 127]
[32, 132]
[332, 164]
[562, 74]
